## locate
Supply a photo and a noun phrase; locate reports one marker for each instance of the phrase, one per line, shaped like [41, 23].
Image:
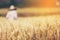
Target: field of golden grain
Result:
[30, 28]
[33, 10]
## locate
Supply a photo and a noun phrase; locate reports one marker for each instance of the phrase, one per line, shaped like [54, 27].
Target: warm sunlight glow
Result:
[46, 3]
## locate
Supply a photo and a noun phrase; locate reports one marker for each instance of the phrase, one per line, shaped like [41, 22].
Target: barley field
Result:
[33, 10]
[46, 26]
[30, 28]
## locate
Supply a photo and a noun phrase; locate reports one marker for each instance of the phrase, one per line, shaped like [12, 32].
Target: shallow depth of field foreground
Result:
[31, 28]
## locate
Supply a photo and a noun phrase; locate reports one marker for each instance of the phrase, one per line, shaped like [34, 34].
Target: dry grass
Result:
[31, 28]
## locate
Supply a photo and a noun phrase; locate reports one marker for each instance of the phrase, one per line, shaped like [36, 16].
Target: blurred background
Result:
[33, 7]
[30, 3]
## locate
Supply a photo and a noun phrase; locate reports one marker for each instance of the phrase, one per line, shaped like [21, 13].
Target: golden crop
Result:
[33, 10]
[30, 28]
